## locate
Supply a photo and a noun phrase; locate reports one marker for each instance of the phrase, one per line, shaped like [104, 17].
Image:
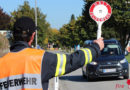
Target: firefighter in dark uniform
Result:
[25, 68]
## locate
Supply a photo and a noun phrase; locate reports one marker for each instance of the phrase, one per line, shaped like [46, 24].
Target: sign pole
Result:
[56, 83]
[36, 23]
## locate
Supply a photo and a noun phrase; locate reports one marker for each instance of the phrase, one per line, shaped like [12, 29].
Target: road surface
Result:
[75, 81]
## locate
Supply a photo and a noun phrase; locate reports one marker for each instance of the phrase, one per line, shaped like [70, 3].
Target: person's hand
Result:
[100, 42]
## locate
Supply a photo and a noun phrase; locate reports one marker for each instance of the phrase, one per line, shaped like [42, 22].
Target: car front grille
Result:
[109, 63]
[108, 66]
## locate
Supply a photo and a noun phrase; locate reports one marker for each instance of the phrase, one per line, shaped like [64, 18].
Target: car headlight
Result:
[123, 61]
[93, 63]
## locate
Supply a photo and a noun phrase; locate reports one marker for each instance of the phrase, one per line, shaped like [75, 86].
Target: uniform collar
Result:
[18, 46]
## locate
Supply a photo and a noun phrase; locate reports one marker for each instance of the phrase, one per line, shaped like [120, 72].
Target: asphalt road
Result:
[75, 81]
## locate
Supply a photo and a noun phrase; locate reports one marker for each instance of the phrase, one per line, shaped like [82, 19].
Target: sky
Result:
[58, 12]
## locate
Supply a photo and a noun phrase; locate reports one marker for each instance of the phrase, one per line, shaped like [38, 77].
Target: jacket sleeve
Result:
[59, 64]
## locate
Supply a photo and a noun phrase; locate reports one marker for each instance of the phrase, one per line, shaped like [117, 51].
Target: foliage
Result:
[4, 20]
[53, 37]
[43, 25]
[69, 34]
[128, 57]
[88, 24]
[121, 13]
[77, 31]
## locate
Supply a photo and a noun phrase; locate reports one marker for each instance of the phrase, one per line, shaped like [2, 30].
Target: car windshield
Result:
[111, 49]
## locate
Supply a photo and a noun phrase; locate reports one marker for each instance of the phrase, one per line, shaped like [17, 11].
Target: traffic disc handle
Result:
[99, 31]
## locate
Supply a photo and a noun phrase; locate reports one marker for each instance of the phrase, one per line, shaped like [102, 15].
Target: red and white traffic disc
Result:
[100, 11]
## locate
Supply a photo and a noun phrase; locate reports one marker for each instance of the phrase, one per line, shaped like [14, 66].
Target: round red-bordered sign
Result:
[100, 11]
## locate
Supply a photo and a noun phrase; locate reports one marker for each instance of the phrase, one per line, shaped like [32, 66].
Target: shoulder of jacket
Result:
[33, 51]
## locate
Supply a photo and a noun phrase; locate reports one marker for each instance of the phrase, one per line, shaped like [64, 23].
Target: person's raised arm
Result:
[59, 64]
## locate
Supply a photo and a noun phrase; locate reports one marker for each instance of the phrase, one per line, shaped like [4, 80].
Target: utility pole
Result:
[36, 23]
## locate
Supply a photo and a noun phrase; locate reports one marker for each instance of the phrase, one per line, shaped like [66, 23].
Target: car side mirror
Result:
[126, 53]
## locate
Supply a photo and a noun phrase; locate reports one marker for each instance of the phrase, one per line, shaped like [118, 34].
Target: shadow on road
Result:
[80, 78]
[73, 78]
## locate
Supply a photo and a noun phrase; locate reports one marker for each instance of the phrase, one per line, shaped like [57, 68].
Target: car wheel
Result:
[88, 78]
[83, 73]
[126, 76]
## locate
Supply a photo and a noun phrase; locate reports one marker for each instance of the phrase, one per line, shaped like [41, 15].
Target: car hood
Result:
[110, 58]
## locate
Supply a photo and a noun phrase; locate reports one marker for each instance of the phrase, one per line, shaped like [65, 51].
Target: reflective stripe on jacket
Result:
[21, 70]
[61, 64]
[62, 61]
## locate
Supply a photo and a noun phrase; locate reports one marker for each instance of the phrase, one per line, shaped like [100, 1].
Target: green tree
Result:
[73, 34]
[64, 36]
[88, 24]
[43, 25]
[4, 20]
[69, 33]
[121, 13]
[72, 20]
[54, 37]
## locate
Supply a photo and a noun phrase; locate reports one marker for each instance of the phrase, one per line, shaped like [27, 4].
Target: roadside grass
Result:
[128, 57]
